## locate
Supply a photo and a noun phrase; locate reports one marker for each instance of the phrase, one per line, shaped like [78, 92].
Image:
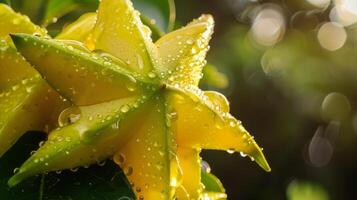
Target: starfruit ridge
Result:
[172, 98]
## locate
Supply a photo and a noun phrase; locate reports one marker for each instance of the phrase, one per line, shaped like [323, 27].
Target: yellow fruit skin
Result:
[25, 107]
[202, 124]
[13, 68]
[26, 101]
[182, 52]
[82, 77]
[88, 134]
[147, 155]
[12, 22]
[79, 30]
[190, 163]
[136, 102]
[126, 37]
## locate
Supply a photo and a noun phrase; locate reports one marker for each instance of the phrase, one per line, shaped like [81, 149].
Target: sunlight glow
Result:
[332, 36]
[319, 3]
[268, 27]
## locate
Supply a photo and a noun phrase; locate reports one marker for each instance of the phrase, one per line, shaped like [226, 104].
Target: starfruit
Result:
[26, 100]
[136, 102]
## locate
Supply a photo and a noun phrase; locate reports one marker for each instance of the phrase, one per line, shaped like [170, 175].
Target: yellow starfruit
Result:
[136, 102]
[26, 100]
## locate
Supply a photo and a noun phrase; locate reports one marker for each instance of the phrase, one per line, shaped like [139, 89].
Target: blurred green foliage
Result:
[298, 190]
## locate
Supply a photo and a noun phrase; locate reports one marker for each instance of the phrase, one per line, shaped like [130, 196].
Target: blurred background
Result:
[289, 69]
[292, 73]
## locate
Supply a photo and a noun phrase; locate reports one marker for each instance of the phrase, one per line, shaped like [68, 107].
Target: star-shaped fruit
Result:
[27, 102]
[134, 101]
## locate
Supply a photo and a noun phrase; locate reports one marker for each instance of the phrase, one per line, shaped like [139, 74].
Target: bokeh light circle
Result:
[332, 36]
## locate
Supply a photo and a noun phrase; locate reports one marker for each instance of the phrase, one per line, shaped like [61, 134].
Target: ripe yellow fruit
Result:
[134, 101]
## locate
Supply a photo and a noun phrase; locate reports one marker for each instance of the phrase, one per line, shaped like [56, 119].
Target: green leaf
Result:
[213, 77]
[8, 2]
[212, 183]
[214, 189]
[33, 9]
[156, 32]
[161, 11]
[97, 182]
[58, 8]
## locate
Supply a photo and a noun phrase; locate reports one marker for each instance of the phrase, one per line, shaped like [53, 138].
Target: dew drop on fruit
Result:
[205, 167]
[230, 151]
[130, 86]
[41, 143]
[16, 170]
[101, 163]
[151, 75]
[74, 169]
[129, 171]
[69, 116]
[125, 108]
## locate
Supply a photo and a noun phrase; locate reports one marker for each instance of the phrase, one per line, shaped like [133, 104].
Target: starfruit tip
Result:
[260, 159]
[15, 179]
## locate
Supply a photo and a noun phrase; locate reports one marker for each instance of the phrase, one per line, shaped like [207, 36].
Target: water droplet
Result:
[125, 108]
[29, 89]
[151, 74]
[129, 171]
[230, 151]
[119, 158]
[69, 116]
[101, 163]
[70, 47]
[15, 87]
[173, 115]
[36, 34]
[41, 143]
[232, 123]
[189, 41]
[205, 167]
[16, 170]
[131, 86]
[74, 169]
